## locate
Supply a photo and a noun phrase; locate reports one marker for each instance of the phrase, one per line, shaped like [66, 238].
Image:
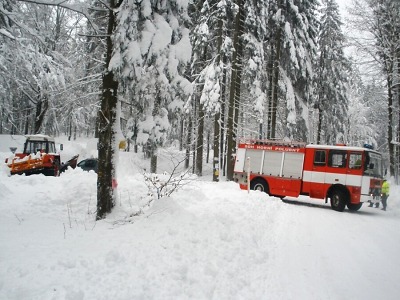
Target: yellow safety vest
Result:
[385, 188]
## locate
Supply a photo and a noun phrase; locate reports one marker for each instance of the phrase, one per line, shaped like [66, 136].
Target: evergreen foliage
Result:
[152, 47]
[332, 71]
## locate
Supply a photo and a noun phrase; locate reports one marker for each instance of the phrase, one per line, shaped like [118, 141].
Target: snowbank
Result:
[208, 241]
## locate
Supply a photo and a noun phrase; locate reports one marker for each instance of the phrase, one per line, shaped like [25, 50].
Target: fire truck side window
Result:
[337, 158]
[355, 161]
[320, 158]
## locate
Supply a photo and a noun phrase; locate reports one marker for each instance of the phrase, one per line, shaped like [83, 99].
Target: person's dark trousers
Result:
[372, 204]
[384, 201]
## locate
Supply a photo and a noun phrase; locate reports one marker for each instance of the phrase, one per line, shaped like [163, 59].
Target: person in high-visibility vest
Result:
[385, 193]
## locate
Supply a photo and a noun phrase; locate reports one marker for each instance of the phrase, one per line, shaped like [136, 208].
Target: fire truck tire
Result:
[354, 207]
[259, 184]
[338, 200]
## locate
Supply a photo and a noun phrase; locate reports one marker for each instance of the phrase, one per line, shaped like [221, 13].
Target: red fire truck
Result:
[347, 176]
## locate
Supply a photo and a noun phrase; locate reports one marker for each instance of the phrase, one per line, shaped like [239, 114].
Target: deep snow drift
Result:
[207, 241]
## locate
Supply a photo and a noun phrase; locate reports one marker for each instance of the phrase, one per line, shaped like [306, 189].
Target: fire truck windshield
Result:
[373, 165]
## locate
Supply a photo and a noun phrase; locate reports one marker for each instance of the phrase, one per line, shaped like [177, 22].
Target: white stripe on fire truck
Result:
[332, 178]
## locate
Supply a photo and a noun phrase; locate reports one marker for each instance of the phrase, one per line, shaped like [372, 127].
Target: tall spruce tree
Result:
[203, 74]
[332, 73]
[209, 37]
[291, 54]
[106, 175]
[152, 48]
[225, 16]
[254, 82]
[235, 87]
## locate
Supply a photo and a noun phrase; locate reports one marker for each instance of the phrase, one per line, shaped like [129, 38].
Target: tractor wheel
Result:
[354, 207]
[338, 200]
[259, 184]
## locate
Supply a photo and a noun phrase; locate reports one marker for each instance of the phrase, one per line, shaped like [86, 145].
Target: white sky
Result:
[343, 4]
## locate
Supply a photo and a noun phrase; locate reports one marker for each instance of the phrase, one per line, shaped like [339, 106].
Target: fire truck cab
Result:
[347, 176]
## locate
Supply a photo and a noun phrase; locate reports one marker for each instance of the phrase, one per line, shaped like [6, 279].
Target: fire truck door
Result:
[354, 171]
[318, 173]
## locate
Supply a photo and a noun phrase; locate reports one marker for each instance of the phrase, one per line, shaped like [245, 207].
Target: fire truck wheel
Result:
[259, 184]
[354, 207]
[338, 200]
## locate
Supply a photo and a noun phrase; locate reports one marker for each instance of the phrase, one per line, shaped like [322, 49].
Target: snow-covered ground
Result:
[207, 241]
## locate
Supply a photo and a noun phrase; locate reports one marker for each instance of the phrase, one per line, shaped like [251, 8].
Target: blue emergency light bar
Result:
[368, 146]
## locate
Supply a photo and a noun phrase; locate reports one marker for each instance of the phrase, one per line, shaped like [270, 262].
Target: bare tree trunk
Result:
[152, 141]
[390, 125]
[397, 95]
[321, 97]
[216, 163]
[70, 129]
[194, 139]
[270, 90]
[234, 96]
[188, 142]
[319, 127]
[274, 102]
[106, 119]
[200, 141]
[41, 108]
[217, 116]
[181, 123]
[1, 120]
[273, 78]
[26, 127]
[153, 159]
[208, 147]
[222, 159]
[200, 129]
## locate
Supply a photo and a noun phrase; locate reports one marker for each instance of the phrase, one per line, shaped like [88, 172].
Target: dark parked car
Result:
[88, 164]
